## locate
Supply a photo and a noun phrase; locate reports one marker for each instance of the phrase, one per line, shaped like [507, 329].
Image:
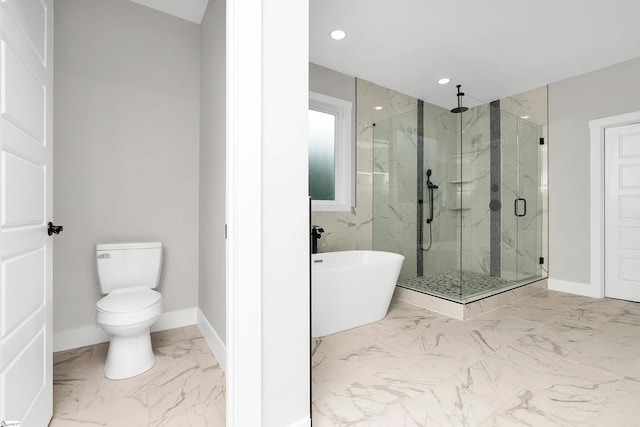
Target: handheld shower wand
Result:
[430, 186]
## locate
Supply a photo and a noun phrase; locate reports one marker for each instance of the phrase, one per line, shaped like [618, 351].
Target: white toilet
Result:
[128, 273]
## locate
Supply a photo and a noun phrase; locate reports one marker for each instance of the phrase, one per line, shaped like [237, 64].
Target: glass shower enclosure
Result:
[459, 196]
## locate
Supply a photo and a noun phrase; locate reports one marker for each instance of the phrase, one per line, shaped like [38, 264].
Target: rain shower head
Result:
[459, 108]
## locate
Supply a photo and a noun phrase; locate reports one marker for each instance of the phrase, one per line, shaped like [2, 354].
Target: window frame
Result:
[343, 172]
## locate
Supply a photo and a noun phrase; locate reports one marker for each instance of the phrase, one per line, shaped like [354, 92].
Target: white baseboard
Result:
[576, 288]
[212, 338]
[94, 334]
[306, 422]
[175, 319]
[79, 337]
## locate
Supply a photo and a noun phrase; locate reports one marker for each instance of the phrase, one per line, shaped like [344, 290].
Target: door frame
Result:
[243, 227]
[597, 129]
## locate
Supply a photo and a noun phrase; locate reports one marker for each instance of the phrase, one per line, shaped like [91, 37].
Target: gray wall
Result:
[212, 287]
[572, 103]
[126, 124]
[332, 83]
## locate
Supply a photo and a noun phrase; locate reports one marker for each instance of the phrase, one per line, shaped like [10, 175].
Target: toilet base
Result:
[129, 355]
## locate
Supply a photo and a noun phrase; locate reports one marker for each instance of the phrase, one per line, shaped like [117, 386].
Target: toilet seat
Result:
[128, 306]
[126, 300]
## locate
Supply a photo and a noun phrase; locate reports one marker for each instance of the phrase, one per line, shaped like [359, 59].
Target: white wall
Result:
[572, 104]
[211, 289]
[285, 238]
[126, 125]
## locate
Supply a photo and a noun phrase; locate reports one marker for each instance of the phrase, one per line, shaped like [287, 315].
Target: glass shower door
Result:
[395, 189]
[529, 222]
[521, 198]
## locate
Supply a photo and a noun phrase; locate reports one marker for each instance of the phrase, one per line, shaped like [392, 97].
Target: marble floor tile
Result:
[185, 387]
[497, 314]
[550, 359]
[538, 314]
[619, 358]
[557, 300]
[538, 349]
[619, 332]
[355, 365]
[502, 332]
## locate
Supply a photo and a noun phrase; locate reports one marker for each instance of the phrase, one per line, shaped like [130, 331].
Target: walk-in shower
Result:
[457, 192]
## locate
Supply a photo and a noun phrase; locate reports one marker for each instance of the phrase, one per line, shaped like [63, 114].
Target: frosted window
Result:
[330, 145]
[322, 163]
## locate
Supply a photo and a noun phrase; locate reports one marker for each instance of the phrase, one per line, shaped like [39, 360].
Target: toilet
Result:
[128, 273]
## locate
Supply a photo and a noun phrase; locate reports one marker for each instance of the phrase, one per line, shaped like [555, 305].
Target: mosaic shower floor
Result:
[447, 285]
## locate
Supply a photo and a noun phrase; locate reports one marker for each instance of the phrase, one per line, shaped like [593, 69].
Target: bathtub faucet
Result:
[316, 233]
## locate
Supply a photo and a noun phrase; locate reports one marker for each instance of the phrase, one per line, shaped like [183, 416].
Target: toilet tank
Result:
[126, 265]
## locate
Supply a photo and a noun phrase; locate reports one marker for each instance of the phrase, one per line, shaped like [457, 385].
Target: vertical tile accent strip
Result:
[420, 189]
[495, 204]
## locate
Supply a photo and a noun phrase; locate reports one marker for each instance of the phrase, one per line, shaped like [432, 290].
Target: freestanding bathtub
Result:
[351, 288]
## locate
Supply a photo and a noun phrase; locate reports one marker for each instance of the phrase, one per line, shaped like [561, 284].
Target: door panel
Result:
[23, 97]
[22, 280]
[26, 392]
[629, 237]
[31, 16]
[24, 199]
[622, 212]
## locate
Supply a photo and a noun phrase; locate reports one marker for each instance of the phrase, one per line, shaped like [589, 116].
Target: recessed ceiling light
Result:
[378, 107]
[338, 34]
[444, 81]
[524, 117]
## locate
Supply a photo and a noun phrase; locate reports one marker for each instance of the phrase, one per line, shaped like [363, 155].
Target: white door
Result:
[26, 42]
[622, 212]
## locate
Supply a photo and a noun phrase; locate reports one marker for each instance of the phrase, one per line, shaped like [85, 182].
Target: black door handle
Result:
[515, 207]
[53, 229]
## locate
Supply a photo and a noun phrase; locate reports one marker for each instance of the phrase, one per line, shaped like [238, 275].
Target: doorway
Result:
[598, 130]
[622, 212]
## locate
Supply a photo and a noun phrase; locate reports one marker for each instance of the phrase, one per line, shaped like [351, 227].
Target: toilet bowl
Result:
[128, 322]
[127, 273]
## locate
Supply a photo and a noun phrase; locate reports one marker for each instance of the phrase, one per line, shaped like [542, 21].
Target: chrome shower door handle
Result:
[516, 205]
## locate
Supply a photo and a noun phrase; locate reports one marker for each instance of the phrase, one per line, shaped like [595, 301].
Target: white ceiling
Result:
[494, 48]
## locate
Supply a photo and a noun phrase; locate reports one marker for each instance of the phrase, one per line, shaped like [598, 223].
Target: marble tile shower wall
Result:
[472, 169]
[440, 152]
[394, 188]
[353, 230]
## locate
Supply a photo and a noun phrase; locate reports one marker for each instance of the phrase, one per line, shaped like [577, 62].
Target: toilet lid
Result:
[128, 299]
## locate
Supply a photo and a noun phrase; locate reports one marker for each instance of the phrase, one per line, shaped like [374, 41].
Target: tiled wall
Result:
[394, 189]
[440, 154]
[473, 183]
[353, 230]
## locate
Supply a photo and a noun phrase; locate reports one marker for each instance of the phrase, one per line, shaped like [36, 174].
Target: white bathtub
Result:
[351, 288]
